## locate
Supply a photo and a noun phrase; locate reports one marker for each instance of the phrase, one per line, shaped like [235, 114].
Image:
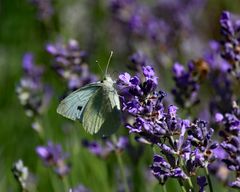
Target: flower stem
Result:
[164, 189]
[121, 167]
[209, 180]
[182, 186]
[65, 183]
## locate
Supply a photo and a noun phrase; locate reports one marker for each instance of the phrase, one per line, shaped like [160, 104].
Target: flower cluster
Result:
[185, 145]
[69, 62]
[230, 122]
[219, 79]
[23, 176]
[104, 149]
[21, 173]
[187, 86]
[138, 60]
[153, 24]
[44, 8]
[32, 93]
[53, 156]
[230, 29]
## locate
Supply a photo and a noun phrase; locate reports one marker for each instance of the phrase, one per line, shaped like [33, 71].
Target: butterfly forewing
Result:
[73, 105]
[96, 106]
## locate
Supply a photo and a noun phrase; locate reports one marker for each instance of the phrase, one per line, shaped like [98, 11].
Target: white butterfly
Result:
[96, 106]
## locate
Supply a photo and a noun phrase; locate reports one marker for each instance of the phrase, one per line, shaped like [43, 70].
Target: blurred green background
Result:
[21, 31]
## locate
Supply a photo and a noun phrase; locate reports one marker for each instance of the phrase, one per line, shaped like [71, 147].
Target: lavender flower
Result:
[21, 173]
[231, 41]
[155, 25]
[32, 93]
[53, 156]
[231, 142]
[162, 170]
[219, 79]
[138, 60]
[214, 59]
[106, 147]
[70, 63]
[200, 136]
[202, 182]
[143, 102]
[44, 8]
[185, 146]
[187, 87]
[23, 176]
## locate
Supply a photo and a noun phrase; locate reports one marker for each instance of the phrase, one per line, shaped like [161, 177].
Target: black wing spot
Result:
[79, 108]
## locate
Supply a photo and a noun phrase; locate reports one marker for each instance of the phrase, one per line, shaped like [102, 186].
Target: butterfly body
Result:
[96, 106]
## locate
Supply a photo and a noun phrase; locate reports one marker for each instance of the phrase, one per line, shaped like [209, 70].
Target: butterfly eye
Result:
[79, 108]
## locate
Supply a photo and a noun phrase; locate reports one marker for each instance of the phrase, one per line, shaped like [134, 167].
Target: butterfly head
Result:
[108, 79]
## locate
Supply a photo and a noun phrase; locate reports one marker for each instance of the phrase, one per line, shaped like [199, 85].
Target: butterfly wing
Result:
[102, 112]
[73, 105]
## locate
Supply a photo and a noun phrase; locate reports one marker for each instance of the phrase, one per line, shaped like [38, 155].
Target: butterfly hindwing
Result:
[73, 105]
[101, 114]
[113, 120]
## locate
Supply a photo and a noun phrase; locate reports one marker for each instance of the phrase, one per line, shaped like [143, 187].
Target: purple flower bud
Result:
[218, 117]
[235, 184]
[202, 182]
[172, 111]
[148, 71]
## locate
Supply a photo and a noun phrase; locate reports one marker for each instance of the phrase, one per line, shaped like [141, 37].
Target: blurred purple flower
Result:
[186, 85]
[230, 30]
[53, 156]
[105, 148]
[235, 184]
[32, 93]
[214, 59]
[231, 141]
[44, 8]
[138, 60]
[159, 25]
[69, 62]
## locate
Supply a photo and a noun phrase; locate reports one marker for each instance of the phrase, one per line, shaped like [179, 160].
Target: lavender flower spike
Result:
[52, 155]
[202, 182]
[69, 62]
[230, 29]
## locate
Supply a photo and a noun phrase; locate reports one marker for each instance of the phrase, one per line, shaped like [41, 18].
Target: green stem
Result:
[209, 180]
[154, 150]
[121, 167]
[182, 186]
[164, 188]
[190, 184]
[65, 183]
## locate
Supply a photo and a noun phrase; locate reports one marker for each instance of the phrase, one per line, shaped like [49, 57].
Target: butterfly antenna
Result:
[109, 59]
[99, 67]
